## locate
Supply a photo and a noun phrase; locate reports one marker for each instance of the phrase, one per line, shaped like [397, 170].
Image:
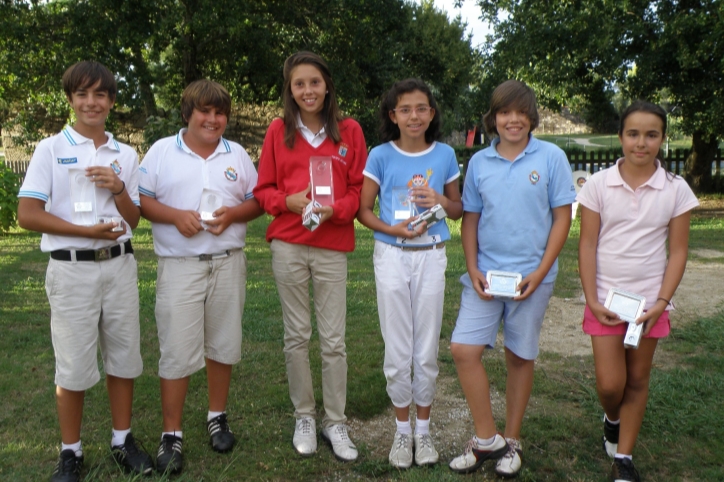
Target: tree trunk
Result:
[144, 82]
[698, 164]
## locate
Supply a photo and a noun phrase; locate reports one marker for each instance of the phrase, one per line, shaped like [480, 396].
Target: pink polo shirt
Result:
[631, 250]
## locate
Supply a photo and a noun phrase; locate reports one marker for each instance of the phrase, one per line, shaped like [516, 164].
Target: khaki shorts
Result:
[91, 303]
[199, 306]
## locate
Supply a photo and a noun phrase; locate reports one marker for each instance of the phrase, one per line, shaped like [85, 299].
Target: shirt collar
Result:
[74, 138]
[222, 147]
[656, 181]
[532, 146]
[302, 127]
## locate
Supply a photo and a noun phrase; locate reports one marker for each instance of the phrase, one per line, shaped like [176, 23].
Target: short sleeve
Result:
[453, 168]
[561, 190]
[373, 168]
[589, 194]
[148, 172]
[685, 198]
[472, 201]
[39, 176]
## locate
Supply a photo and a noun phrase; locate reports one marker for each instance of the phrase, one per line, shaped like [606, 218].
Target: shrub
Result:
[9, 186]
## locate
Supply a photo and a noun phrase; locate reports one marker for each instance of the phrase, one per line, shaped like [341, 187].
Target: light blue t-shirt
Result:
[396, 171]
[515, 202]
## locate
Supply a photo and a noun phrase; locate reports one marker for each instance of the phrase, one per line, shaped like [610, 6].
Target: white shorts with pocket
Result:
[92, 303]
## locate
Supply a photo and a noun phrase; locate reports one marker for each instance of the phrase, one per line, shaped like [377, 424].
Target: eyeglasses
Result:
[420, 110]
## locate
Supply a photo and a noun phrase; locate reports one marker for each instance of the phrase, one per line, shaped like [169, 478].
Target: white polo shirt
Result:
[48, 179]
[631, 251]
[175, 176]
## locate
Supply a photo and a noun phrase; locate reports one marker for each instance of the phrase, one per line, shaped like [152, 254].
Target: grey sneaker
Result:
[342, 446]
[425, 453]
[170, 458]
[473, 457]
[131, 458]
[68, 467]
[509, 464]
[401, 452]
[305, 436]
[623, 470]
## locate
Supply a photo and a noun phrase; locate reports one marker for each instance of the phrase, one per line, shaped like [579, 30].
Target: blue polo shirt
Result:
[515, 202]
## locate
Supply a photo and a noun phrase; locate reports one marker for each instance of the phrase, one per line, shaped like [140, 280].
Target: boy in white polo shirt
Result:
[91, 279]
[196, 189]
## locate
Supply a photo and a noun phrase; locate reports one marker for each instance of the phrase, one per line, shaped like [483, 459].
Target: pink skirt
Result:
[591, 326]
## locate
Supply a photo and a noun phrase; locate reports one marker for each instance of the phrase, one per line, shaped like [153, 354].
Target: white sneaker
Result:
[425, 453]
[401, 452]
[305, 436]
[473, 456]
[509, 464]
[342, 446]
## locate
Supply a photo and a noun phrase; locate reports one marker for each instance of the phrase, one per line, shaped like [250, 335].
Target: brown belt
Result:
[422, 248]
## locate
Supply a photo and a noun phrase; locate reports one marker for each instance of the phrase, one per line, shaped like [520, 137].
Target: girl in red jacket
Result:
[312, 126]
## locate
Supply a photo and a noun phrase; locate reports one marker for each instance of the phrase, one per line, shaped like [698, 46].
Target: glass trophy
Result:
[118, 220]
[503, 284]
[210, 201]
[629, 307]
[401, 203]
[320, 175]
[82, 198]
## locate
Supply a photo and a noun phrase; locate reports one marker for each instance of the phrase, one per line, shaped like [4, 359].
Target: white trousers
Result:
[410, 295]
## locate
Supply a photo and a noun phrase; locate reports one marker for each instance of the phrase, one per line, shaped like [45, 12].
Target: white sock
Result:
[612, 422]
[422, 427]
[175, 433]
[119, 437]
[212, 415]
[404, 427]
[622, 456]
[484, 442]
[76, 447]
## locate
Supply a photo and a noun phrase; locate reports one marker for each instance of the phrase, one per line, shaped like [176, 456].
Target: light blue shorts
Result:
[478, 320]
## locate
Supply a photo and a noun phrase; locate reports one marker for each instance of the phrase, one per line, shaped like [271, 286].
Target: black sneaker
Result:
[169, 458]
[68, 467]
[610, 437]
[623, 470]
[222, 439]
[131, 458]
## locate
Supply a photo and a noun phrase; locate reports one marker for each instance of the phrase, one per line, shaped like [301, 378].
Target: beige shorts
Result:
[199, 306]
[91, 303]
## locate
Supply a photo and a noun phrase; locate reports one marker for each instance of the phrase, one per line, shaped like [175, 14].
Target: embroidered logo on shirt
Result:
[343, 149]
[68, 160]
[418, 180]
[116, 167]
[534, 177]
[143, 170]
[230, 174]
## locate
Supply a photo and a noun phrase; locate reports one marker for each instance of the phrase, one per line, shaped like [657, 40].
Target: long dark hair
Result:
[330, 111]
[648, 108]
[389, 131]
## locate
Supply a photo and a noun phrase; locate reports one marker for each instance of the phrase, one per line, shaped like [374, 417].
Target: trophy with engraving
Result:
[321, 178]
[82, 198]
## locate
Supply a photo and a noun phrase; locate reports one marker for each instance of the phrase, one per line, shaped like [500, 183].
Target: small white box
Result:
[433, 216]
[633, 335]
[112, 219]
[503, 284]
[310, 220]
[629, 307]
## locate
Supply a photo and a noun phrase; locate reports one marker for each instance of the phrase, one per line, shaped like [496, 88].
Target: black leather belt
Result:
[92, 254]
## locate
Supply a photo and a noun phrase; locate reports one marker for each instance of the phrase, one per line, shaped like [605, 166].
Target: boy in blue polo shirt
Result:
[91, 279]
[517, 212]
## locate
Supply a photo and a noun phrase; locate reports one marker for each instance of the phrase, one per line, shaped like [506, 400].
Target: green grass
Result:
[682, 437]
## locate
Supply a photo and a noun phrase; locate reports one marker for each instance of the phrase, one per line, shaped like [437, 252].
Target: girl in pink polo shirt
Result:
[628, 213]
